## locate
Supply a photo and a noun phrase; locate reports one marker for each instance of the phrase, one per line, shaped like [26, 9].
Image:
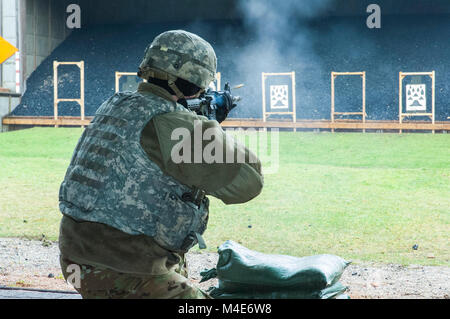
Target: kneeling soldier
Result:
[130, 213]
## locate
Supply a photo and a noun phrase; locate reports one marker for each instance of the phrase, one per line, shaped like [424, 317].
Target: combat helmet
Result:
[179, 54]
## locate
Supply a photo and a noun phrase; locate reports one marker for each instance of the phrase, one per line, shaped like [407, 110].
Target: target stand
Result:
[279, 97]
[416, 98]
[333, 111]
[56, 99]
[121, 74]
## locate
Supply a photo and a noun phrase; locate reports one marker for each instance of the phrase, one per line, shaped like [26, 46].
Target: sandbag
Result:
[239, 268]
[333, 291]
[244, 273]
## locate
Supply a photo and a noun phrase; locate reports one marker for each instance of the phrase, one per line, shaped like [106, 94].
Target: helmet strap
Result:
[148, 72]
[173, 86]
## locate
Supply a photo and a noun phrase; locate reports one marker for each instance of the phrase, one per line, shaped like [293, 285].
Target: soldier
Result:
[130, 213]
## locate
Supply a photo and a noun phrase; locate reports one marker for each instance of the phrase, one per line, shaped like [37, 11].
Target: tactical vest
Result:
[111, 180]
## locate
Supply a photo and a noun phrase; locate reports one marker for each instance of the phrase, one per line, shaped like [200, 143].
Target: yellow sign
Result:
[6, 50]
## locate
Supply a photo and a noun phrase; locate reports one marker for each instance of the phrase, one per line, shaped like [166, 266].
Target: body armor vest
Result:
[111, 179]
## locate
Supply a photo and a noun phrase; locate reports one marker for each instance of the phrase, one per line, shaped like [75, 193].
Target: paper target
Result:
[416, 99]
[279, 97]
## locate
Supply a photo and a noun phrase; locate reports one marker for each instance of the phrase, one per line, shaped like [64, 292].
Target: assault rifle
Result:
[215, 105]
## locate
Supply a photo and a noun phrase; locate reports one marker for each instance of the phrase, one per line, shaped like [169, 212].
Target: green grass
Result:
[32, 165]
[365, 197]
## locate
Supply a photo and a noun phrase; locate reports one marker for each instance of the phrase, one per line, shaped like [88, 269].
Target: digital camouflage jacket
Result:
[98, 242]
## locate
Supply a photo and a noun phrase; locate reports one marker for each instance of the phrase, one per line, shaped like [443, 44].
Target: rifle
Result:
[215, 105]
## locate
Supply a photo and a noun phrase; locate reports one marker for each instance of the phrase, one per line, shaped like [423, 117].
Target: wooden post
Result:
[263, 77]
[117, 81]
[364, 99]
[81, 65]
[400, 100]
[55, 91]
[332, 101]
[218, 81]
[294, 115]
[433, 88]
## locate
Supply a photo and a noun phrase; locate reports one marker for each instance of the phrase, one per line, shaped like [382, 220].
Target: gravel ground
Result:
[34, 264]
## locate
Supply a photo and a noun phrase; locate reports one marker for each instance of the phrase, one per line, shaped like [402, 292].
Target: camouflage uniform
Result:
[104, 283]
[125, 222]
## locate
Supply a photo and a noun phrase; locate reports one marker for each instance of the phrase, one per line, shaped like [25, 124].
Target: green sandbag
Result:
[335, 291]
[241, 269]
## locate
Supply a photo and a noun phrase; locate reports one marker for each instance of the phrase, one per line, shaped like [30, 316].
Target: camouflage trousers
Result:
[104, 283]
